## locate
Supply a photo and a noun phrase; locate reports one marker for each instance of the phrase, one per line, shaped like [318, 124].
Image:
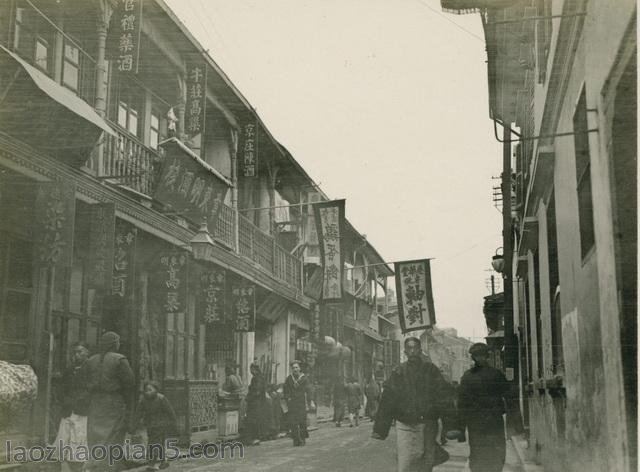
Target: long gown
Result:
[296, 392]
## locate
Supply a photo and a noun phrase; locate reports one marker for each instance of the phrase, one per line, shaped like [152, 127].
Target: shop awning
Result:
[44, 114]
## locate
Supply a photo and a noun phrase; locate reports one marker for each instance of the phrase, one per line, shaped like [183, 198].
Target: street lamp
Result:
[497, 261]
[201, 243]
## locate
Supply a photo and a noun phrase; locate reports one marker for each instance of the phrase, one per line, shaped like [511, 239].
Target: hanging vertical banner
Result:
[415, 297]
[55, 215]
[123, 35]
[212, 291]
[173, 267]
[123, 259]
[243, 302]
[101, 242]
[330, 228]
[195, 111]
[249, 149]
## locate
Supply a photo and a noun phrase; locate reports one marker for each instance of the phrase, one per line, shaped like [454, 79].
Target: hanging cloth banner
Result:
[123, 35]
[249, 149]
[330, 225]
[243, 302]
[173, 288]
[123, 259]
[415, 297]
[55, 215]
[196, 95]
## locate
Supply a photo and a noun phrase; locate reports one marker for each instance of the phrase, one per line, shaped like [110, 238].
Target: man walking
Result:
[354, 401]
[412, 397]
[482, 396]
[339, 400]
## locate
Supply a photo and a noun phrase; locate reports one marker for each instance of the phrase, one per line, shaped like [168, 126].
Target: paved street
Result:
[328, 449]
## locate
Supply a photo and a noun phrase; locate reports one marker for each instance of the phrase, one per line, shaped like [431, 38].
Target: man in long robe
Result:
[256, 427]
[482, 397]
[297, 393]
[110, 407]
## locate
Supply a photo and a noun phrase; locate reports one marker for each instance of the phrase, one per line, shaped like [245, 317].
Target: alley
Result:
[329, 449]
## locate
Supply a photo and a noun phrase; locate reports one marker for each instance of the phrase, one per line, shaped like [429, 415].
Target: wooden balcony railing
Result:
[262, 249]
[224, 230]
[129, 162]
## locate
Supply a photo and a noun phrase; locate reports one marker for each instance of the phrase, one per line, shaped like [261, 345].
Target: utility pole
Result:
[510, 349]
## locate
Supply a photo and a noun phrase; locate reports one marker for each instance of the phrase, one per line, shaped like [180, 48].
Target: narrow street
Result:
[330, 449]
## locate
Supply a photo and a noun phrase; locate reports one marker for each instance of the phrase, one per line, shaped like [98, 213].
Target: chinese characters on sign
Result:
[243, 300]
[196, 96]
[101, 240]
[189, 186]
[330, 224]
[415, 298]
[123, 259]
[55, 203]
[249, 149]
[124, 35]
[174, 282]
[212, 285]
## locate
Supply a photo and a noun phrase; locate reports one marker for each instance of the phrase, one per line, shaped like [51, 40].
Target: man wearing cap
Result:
[111, 384]
[482, 398]
[412, 396]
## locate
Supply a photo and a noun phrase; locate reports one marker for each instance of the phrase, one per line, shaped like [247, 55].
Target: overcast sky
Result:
[384, 103]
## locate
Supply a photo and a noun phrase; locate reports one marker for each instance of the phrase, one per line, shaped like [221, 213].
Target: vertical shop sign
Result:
[123, 37]
[174, 282]
[249, 149]
[212, 292]
[55, 214]
[196, 95]
[101, 244]
[415, 298]
[243, 301]
[330, 227]
[123, 259]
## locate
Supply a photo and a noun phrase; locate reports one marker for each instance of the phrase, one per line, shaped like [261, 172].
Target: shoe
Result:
[164, 465]
[338, 425]
[256, 442]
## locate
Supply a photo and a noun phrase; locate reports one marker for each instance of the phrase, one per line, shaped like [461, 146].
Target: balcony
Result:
[128, 162]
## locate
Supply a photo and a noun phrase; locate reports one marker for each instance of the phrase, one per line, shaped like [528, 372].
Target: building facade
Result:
[114, 150]
[562, 76]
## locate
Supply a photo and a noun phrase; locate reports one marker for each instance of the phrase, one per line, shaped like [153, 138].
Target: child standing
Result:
[157, 416]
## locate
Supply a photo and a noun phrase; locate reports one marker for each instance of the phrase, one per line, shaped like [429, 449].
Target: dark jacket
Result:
[481, 397]
[74, 391]
[157, 415]
[354, 395]
[413, 394]
[297, 393]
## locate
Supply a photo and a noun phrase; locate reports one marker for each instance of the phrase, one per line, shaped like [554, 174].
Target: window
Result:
[543, 38]
[129, 106]
[71, 66]
[33, 37]
[557, 366]
[583, 176]
[154, 131]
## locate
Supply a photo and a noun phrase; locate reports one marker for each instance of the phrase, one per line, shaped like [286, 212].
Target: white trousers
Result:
[416, 446]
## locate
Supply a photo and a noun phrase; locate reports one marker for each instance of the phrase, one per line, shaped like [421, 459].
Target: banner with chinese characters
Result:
[190, 186]
[243, 302]
[101, 242]
[173, 277]
[124, 251]
[123, 36]
[415, 297]
[249, 149]
[55, 215]
[196, 95]
[212, 295]
[330, 228]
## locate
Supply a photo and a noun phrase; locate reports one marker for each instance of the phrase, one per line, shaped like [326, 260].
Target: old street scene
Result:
[356, 235]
